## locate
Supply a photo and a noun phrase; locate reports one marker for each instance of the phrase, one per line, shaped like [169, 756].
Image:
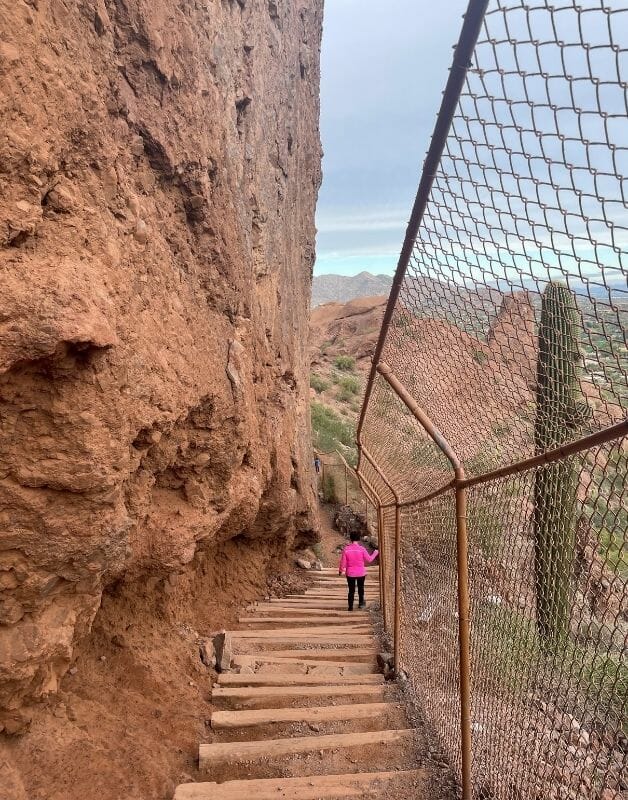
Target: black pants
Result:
[352, 582]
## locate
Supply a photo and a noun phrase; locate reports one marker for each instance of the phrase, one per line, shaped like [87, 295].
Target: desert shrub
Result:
[480, 356]
[347, 389]
[330, 431]
[344, 363]
[350, 384]
[317, 383]
[329, 489]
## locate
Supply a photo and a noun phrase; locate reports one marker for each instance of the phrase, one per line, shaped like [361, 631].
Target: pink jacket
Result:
[353, 560]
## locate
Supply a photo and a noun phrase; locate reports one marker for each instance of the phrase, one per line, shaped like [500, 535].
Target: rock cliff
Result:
[159, 166]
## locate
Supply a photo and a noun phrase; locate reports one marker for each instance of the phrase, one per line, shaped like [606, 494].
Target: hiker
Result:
[352, 564]
[317, 464]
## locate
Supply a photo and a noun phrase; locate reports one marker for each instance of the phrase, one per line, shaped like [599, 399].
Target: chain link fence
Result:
[494, 432]
[338, 484]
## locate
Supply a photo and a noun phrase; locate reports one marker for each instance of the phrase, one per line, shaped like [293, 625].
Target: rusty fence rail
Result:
[493, 438]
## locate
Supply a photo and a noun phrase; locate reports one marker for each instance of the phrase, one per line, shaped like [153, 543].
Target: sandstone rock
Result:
[10, 611]
[141, 231]
[303, 563]
[207, 653]
[9, 53]
[14, 723]
[347, 521]
[385, 661]
[113, 354]
[11, 786]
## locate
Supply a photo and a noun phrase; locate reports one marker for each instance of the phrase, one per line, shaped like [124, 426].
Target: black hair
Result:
[355, 536]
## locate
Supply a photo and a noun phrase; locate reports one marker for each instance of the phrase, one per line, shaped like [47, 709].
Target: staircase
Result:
[306, 714]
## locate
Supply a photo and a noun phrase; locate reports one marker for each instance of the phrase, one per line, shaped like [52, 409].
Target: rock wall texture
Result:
[159, 166]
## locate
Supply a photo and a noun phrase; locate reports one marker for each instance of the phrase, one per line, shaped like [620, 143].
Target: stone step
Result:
[312, 787]
[261, 695]
[230, 752]
[232, 720]
[290, 679]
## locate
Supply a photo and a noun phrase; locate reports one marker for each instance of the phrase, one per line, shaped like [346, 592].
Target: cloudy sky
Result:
[384, 66]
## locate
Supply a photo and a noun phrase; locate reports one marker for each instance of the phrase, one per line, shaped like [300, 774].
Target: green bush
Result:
[348, 388]
[329, 489]
[329, 431]
[345, 363]
[317, 383]
[480, 356]
[350, 384]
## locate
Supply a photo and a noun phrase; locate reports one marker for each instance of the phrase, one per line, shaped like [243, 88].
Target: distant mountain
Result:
[341, 288]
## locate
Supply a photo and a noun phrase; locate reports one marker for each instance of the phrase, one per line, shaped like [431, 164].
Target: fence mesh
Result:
[509, 332]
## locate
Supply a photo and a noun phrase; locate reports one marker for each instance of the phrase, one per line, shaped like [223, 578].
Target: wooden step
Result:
[312, 787]
[292, 679]
[346, 641]
[309, 613]
[339, 595]
[348, 667]
[338, 587]
[340, 584]
[330, 595]
[308, 621]
[335, 604]
[329, 581]
[232, 720]
[211, 754]
[254, 695]
[349, 654]
[334, 571]
[317, 630]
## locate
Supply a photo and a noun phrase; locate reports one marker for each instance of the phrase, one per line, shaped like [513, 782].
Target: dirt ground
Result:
[132, 710]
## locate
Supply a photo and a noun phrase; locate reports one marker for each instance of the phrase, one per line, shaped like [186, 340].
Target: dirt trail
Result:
[306, 712]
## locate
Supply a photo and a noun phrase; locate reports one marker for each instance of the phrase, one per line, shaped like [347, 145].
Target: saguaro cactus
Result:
[559, 413]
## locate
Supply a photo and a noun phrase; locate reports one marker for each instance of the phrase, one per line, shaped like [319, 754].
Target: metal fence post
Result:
[464, 638]
[383, 567]
[397, 627]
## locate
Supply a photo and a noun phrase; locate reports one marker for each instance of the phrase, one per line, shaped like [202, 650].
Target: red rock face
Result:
[159, 165]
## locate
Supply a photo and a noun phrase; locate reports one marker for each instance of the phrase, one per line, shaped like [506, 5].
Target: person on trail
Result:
[317, 464]
[352, 564]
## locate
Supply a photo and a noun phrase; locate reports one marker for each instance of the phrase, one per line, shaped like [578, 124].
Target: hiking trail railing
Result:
[493, 438]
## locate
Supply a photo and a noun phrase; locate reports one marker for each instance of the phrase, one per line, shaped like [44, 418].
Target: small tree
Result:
[559, 413]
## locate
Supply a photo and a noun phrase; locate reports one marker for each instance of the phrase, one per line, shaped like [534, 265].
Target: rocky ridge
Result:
[342, 288]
